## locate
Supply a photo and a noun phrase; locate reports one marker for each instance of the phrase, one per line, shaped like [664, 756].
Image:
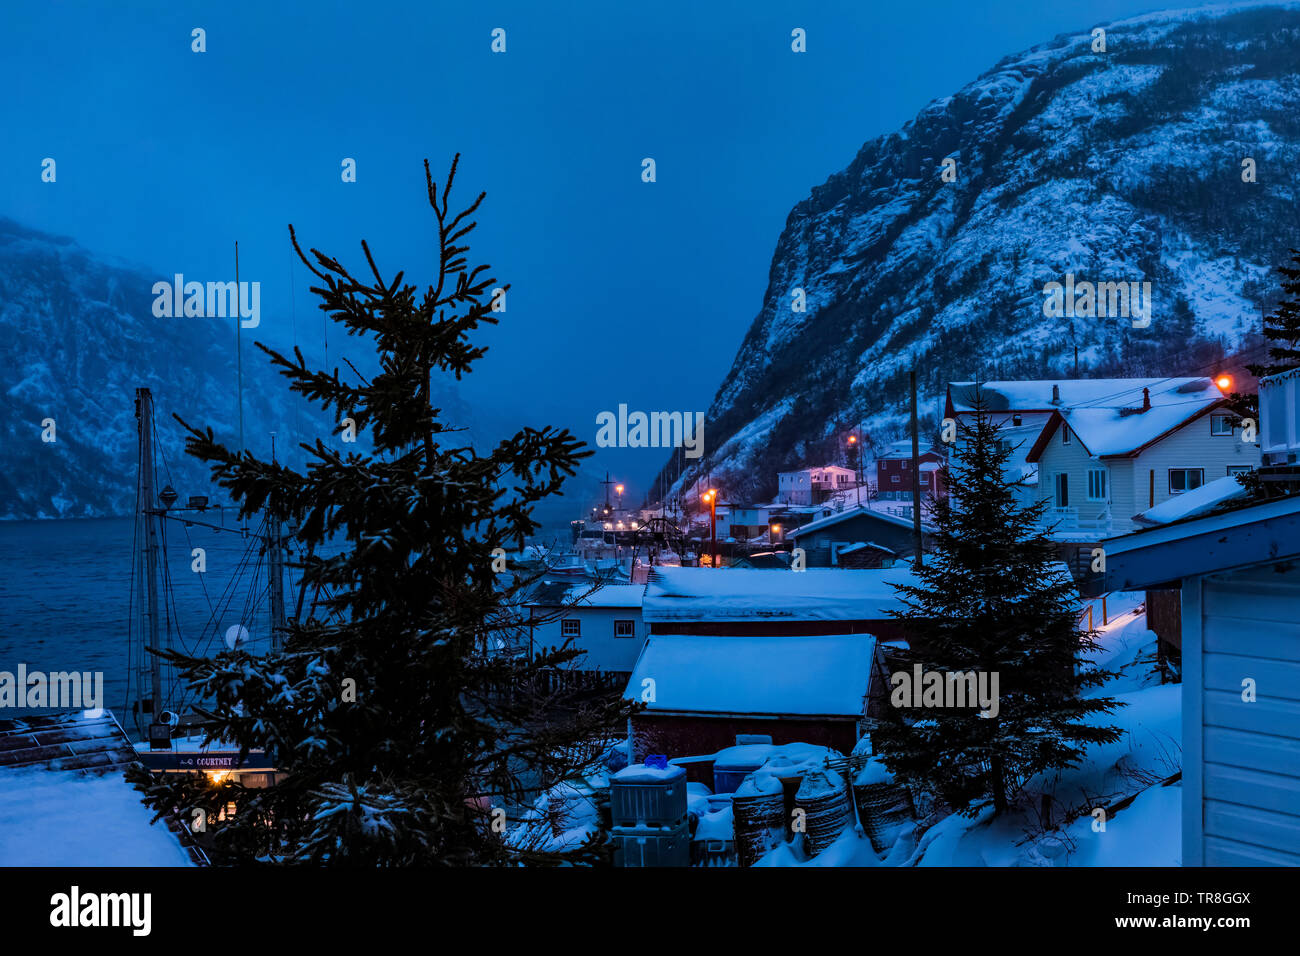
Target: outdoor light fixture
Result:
[1224, 382]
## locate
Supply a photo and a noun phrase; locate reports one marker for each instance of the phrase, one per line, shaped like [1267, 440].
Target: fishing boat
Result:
[172, 736]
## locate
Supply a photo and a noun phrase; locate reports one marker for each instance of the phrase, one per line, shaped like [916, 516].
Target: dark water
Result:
[66, 598]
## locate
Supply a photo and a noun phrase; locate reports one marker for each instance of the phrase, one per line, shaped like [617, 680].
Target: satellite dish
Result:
[236, 634]
[168, 718]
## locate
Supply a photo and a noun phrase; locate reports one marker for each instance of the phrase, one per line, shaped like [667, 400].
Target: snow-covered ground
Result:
[1127, 780]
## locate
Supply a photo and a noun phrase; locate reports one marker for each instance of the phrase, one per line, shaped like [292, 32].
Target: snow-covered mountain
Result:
[1127, 165]
[77, 336]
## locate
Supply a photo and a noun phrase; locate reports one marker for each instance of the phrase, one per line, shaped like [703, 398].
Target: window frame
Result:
[629, 621]
[1169, 480]
[1103, 481]
[1220, 434]
[1065, 433]
[564, 627]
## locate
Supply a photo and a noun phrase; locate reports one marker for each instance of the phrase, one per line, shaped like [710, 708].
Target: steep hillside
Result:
[1116, 166]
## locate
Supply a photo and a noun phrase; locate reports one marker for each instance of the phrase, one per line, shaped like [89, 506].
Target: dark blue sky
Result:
[622, 291]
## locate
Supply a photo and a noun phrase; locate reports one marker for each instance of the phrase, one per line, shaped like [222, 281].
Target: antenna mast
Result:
[147, 513]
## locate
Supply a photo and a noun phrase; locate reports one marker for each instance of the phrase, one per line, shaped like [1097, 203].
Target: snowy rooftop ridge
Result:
[815, 594]
[1048, 395]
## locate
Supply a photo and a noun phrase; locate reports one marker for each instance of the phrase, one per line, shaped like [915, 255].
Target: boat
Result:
[172, 736]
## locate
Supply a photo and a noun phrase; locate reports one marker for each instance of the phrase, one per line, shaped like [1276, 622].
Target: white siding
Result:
[1073, 460]
[1190, 447]
[604, 651]
[1246, 761]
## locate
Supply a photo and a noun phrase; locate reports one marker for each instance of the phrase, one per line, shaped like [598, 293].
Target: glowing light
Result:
[618, 489]
[1224, 382]
[776, 529]
[853, 439]
[217, 777]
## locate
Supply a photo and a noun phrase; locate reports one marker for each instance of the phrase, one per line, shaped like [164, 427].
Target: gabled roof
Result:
[1124, 430]
[826, 675]
[854, 512]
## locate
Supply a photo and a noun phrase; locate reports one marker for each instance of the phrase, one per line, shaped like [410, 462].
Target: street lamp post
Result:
[711, 496]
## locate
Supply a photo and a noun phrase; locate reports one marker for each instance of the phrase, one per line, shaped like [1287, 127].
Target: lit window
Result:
[1185, 479]
[1220, 425]
[570, 628]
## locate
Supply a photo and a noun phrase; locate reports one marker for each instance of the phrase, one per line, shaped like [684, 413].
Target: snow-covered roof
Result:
[860, 510]
[734, 594]
[582, 595]
[825, 675]
[1199, 501]
[65, 802]
[1122, 427]
[1040, 395]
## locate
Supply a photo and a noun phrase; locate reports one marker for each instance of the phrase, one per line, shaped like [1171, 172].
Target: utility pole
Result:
[916, 474]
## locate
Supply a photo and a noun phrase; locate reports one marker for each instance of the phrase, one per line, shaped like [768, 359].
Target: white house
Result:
[604, 622]
[1104, 460]
[813, 485]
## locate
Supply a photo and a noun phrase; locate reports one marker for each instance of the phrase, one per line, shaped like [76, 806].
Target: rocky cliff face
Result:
[1128, 165]
[77, 337]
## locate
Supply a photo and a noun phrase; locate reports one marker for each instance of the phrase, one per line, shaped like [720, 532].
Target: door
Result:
[1063, 490]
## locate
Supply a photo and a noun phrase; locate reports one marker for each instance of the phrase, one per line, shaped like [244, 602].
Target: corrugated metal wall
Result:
[1250, 751]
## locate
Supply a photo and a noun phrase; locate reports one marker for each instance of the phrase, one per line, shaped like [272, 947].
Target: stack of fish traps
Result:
[885, 810]
[826, 806]
[758, 815]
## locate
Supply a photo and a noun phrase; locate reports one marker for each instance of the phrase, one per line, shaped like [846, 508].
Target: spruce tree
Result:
[403, 723]
[993, 598]
[1282, 331]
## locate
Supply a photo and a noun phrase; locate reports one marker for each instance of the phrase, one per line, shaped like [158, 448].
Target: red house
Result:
[894, 472]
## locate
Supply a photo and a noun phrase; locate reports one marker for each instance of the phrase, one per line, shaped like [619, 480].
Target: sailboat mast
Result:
[239, 351]
[144, 417]
[275, 567]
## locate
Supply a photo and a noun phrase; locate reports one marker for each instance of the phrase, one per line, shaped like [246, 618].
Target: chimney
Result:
[1056, 394]
[1146, 399]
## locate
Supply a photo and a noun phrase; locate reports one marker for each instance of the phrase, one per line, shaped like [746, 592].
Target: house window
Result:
[625, 628]
[1220, 425]
[1065, 434]
[1185, 479]
[1016, 420]
[1063, 490]
[892, 478]
[1239, 469]
[570, 628]
[1096, 484]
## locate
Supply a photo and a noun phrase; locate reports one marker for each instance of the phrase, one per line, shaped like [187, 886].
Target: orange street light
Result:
[618, 489]
[853, 439]
[1224, 382]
